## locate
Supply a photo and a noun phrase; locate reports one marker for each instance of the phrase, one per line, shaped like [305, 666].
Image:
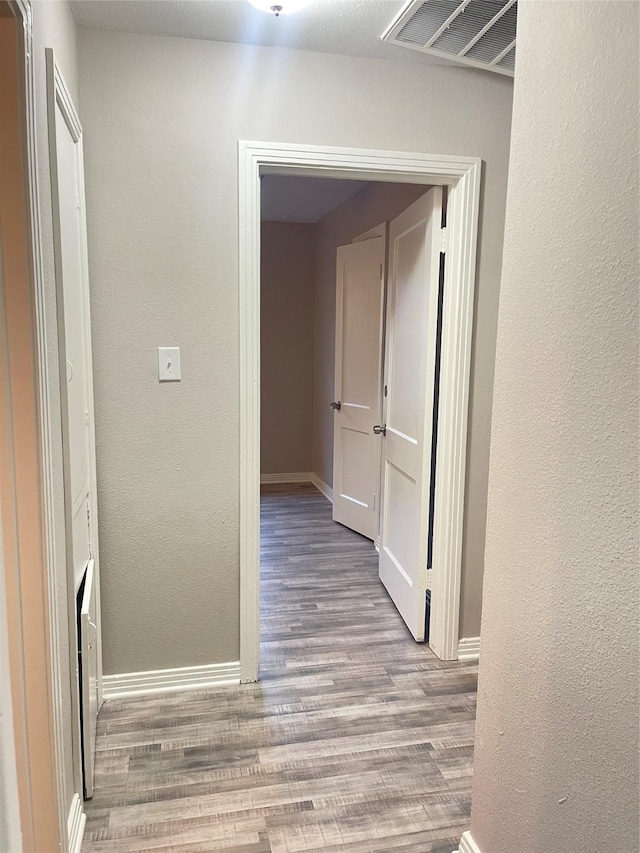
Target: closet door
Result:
[76, 393]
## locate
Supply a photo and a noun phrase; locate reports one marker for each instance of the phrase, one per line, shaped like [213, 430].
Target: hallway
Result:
[356, 739]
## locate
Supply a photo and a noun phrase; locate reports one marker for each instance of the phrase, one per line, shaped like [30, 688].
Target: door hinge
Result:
[374, 500]
[380, 272]
[444, 240]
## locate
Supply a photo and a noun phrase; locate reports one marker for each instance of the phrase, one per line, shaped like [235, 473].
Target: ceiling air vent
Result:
[481, 33]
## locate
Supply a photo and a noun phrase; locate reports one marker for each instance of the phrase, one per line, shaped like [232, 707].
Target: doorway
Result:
[337, 325]
[461, 177]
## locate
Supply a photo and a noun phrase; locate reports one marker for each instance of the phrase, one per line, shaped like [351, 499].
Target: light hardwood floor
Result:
[356, 738]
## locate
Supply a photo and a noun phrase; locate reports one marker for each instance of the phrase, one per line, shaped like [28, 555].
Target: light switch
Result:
[169, 364]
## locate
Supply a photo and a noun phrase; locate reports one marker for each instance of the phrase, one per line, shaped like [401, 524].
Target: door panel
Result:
[75, 334]
[74, 341]
[81, 538]
[412, 309]
[355, 451]
[358, 378]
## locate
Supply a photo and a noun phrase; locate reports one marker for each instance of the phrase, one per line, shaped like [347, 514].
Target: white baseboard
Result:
[467, 845]
[127, 684]
[305, 477]
[321, 486]
[75, 825]
[469, 648]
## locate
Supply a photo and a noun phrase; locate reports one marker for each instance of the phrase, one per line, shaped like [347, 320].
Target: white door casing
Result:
[462, 176]
[415, 242]
[358, 380]
[76, 395]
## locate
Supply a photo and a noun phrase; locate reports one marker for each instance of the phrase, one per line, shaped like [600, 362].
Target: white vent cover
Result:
[481, 33]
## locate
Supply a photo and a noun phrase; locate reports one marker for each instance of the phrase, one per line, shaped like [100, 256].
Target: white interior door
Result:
[74, 302]
[415, 241]
[358, 380]
[74, 341]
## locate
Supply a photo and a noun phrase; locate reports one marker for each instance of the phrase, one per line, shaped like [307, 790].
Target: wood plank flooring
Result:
[356, 740]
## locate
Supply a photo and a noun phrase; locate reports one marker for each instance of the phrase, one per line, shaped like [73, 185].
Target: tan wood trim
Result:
[21, 494]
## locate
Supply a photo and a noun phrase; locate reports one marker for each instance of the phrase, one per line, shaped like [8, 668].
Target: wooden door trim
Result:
[461, 176]
[43, 818]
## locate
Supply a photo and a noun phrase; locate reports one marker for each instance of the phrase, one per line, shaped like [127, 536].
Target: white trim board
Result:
[467, 844]
[48, 412]
[147, 683]
[304, 477]
[469, 648]
[461, 175]
[75, 825]
[322, 487]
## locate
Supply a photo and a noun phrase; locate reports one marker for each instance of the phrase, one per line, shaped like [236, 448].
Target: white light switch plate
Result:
[169, 364]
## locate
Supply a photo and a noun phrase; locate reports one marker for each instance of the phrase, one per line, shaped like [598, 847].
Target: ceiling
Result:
[287, 198]
[350, 27]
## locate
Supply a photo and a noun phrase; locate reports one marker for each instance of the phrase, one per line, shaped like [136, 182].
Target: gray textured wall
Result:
[556, 758]
[162, 120]
[287, 288]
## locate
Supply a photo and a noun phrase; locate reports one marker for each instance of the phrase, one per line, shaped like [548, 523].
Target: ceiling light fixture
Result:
[278, 7]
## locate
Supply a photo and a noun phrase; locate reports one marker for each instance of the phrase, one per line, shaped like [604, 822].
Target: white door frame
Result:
[462, 177]
[24, 13]
[58, 95]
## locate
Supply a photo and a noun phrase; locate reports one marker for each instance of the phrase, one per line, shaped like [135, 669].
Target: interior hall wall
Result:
[162, 119]
[287, 286]
[556, 754]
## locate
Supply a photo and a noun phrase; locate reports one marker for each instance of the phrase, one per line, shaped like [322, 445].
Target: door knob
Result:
[337, 405]
[380, 430]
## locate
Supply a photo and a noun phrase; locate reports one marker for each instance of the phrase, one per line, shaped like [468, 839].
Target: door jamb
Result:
[462, 177]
